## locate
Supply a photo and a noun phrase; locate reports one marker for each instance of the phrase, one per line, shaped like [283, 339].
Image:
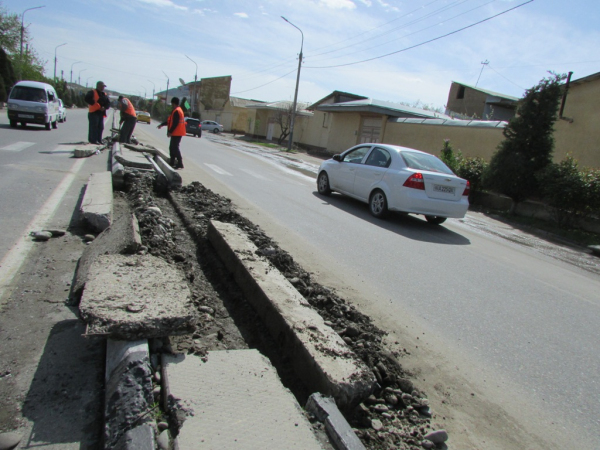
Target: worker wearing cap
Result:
[128, 119]
[175, 130]
[98, 102]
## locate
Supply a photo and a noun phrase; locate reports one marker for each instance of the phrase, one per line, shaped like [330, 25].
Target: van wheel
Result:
[48, 125]
[54, 125]
[23, 124]
[13, 123]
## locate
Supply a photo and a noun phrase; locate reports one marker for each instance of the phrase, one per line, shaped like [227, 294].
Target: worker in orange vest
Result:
[175, 130]
[98, 102]
[128, 119]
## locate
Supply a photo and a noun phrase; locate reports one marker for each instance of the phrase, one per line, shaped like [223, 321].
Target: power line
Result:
[262, 85]
[422, 43]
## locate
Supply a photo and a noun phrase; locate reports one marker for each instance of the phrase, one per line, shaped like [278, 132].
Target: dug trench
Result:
[173, 226]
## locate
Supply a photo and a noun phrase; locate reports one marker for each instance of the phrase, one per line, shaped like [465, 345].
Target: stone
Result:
[595, 249]
[89, 237]
[352, 331]
[405, 385]
[437, 436]
[9, 440]
[427, 444]
[56, 232]
[155, 209]
[381, 408]
[376, 424]
[162, 426]
[41, 235]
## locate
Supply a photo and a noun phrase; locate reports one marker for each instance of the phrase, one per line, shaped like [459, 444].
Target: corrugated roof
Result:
[452, 122]
[381, 107]
[243, 102]
[492, 93]
[282, 105]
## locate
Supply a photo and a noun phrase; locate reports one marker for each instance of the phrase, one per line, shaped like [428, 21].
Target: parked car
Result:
[209, 125]
[62, 111]
[32, 102]
[143, 116]
[193, 127]
[394, 178]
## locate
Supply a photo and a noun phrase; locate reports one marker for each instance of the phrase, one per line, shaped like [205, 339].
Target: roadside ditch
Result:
[173, 226]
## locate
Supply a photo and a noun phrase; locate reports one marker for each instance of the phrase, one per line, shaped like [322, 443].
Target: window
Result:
[424, 161]
[461, 92]
[356, 156]
[378, 158]
[29, 94]
[325, 120]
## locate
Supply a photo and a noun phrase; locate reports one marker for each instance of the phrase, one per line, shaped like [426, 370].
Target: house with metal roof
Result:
[465, 101]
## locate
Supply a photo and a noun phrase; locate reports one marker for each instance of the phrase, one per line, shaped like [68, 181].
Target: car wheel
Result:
[54, 125]
[378, 204]
[48, 126]
[64, 119]
[23, 124]
[436, 220]
[13, 123]
[216, 131]
[323, 184]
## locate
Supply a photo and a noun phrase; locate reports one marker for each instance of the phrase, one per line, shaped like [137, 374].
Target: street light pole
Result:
[79, 77]
[76, 62]
[167, 94]
[55, 49]
[195, 86]
[291, 140]
[22, 33]
[153, 88]
[88, 79]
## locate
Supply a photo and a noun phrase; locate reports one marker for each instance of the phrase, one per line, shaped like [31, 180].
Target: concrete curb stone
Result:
[97, 202]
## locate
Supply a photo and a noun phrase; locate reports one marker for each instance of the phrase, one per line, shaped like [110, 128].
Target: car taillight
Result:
[415, 181]
[467, 188]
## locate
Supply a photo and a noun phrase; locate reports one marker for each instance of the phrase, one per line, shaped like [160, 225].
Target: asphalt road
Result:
[517, 316]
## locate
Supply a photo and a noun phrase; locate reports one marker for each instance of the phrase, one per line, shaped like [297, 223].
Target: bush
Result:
[572, 194]
[472, 169]
[450, 157]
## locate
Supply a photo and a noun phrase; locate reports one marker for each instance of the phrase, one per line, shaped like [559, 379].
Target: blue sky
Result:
[130, 43]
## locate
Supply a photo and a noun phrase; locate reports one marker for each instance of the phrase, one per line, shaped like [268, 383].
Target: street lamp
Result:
[153, 88]
[56, 48]
[291, 140]
[195, 80]
[76, 62]
[88, 79]
[167, 95]
[23, 31]
[79, 77]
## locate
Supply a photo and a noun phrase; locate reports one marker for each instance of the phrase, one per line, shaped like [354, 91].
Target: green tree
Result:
[10, 31]
[528, 144]
[7, 75]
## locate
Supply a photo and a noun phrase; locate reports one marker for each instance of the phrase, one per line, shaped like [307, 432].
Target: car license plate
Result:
[26, 116]
[444, 189]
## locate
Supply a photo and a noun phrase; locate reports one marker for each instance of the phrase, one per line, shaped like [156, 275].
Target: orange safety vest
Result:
[130, 109]
[180, 130]
[96, 106]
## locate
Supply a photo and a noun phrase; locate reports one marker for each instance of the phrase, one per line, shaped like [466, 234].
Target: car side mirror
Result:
[337, 158]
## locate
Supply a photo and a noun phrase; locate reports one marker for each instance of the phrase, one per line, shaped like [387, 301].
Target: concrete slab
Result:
[147, 149]
[122, 237]
[136, 297]
[172, 175]
[234, 400]
[319, 355]
[97, 203]
[129, 158]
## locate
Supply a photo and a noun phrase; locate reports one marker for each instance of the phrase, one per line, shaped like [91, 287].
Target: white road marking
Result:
[218, 169]
[17, 146]
[11, 263]
[254, 174]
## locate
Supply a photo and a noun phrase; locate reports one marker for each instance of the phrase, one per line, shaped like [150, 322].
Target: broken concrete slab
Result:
[172, 175]
[147, 149]
[84, 152]
[136, 297]
[233, 399]
[122, 237]
[319, 355]
[97, 203]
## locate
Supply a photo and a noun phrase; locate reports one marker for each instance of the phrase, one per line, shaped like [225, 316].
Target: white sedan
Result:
[394, 178]
[211, 125]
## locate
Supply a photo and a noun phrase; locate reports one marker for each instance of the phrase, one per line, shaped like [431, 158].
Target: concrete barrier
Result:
[97, 203]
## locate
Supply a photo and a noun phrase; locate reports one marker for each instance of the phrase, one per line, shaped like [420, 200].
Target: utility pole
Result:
[195, 86]
[76, 62]
[55, 49]
[483, 64]
[167, 94]
[22, 33]
[291, 140]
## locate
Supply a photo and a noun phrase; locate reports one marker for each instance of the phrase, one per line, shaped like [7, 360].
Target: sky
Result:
[393, 50]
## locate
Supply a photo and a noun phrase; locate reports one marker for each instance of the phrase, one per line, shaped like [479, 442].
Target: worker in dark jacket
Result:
[128, 119]
[98, 102]
[175, 130]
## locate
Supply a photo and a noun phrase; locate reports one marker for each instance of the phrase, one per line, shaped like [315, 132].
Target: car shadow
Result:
[26, 127]
[408, 226]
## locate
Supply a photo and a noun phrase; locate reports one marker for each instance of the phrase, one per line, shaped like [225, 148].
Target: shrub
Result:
[472, 169]
[451, 157]
[571, 193]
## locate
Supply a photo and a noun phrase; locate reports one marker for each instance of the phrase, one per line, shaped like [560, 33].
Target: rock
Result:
[427, 444]
[352, 331]
[376, 424]
[9, 440]
[371, 400]
[156, 393]
[426, 411]
[163, 440]
[207, 310]
[405, 385]
[437, 436]
[162, 426]
[380, 408]
[595, 249]
[56, 232]
[89, 238]
[392, 399]
[155, 209]
[40, 235]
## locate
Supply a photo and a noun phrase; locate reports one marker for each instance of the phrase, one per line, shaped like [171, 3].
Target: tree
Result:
[528, 144]
[7, 75]
[10, 32]
[283, 118]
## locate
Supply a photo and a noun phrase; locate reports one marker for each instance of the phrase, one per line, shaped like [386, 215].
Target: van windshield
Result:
[29, 94]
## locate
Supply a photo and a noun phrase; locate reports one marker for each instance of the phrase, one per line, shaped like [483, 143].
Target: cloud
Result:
[366, 2]
[241, 15]
[164, 4]
[339, 4]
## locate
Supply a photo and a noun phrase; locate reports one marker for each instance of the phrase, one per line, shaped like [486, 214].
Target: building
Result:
[471, 102]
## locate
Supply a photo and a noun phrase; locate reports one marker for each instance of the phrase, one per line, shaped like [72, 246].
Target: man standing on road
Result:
[98, 103]
[128, 119]
[175, 130]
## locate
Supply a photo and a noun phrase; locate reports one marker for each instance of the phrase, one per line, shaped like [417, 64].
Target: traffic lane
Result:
[33, 162]
[526, 315]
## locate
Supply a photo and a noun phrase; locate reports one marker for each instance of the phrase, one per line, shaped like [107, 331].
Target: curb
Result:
[97, 202]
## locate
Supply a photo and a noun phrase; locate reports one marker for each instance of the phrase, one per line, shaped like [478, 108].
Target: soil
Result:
[396, 416]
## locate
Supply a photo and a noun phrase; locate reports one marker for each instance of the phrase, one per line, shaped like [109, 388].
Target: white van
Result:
[33, 102]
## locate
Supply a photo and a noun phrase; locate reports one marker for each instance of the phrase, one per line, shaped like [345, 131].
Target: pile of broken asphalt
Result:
[174, 227]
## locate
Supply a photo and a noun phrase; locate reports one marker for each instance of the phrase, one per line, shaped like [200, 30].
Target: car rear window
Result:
[29, 94]
[423, 161]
